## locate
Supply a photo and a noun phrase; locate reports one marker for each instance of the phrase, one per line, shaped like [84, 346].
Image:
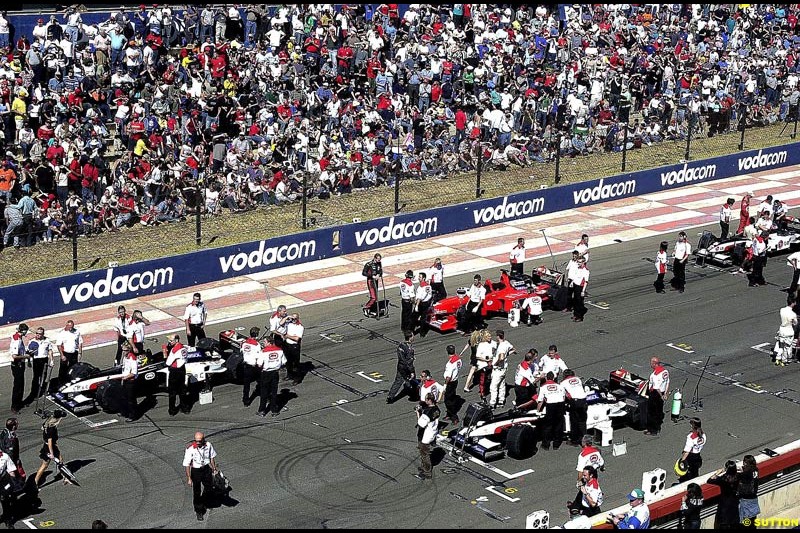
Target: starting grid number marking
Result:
[600, 305]
[752, 387]
[333, 337]
[683, 347]
[47, 523]
[373, 376]
[509, 490]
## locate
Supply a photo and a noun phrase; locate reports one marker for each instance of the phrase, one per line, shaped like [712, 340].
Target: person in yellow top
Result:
[140, 148]
[19, 109]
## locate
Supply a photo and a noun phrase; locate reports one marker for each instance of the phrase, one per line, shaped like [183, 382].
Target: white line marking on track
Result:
[363, 375]
[501, 472]
[338, 405]
[745, 387]
[496, 493]
[29, 522]
[760, 348]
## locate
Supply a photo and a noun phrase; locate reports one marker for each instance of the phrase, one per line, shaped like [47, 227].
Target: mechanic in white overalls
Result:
[785, 337]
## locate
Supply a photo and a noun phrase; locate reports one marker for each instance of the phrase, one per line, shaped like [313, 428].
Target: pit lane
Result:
[338, 456]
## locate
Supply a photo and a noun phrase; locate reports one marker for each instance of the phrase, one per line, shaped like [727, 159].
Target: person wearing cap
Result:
[639, 515]
[427, 428]
[744, 212]
[41, 351]
[18, 352]
[123, 325]
[691, 450]
[292, 345]
[407, 294]
[176, 380]
[250, 349]
[8, 178]
[451, 371]
[437, 280]
[130, 369]
[373, 270]
[680, 255]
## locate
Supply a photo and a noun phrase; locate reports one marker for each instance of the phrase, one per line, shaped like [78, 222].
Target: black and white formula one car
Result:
[489, 436]
[734, 250]
[89, 388]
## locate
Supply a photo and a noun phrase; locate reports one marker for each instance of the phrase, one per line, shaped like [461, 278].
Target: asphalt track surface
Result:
[339, 457]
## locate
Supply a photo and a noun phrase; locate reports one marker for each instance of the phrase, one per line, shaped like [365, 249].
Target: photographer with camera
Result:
[589, 498]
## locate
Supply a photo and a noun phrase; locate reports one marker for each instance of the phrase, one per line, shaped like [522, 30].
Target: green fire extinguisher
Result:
[677, 404]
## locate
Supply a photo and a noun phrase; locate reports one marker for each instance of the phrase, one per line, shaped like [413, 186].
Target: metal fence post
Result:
[75, 247]
[624, 147]
[688, 139]
[741, 138]
[305, 200]
[558, 158]
[794, 133]
[397, 187]
[479, 169]
[198, 223]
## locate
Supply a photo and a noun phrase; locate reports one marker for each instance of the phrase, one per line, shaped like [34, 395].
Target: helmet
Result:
[680, 468]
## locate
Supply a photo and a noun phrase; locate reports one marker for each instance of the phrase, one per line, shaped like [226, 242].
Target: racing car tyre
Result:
[234, 364]
[81, 371]
[110, 396]
[520, 442]
[558, 297]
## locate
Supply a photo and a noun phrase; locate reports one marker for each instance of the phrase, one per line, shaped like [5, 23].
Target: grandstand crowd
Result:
[158, 113]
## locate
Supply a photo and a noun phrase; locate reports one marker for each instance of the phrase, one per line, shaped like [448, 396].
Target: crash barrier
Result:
[779, 490]
[92, 288]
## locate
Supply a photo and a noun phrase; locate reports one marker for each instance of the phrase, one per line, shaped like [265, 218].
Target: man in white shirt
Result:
[681, 254]
[41, 349]
[195, 318]
[200, 464]
[658, 390]
[578, 284]
[517, 257]
[130, 369]
[583, 247]
[725, 218]
[270, 360]
[497, 387]
[451, 371]
[785, 337]
[176, 353]
[423, 298]
[551, 362]
[427, 428]
[471, 316]
[69, 342]
[291, 346]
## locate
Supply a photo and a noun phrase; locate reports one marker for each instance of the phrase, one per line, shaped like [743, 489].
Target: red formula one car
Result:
[500, 297]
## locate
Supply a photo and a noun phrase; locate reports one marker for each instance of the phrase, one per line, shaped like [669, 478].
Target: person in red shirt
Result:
[90, 175]
[744, 213]
[127, 208]
[461, 125]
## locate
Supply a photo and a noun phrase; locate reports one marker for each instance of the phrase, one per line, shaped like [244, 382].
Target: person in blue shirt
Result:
[639, 515]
